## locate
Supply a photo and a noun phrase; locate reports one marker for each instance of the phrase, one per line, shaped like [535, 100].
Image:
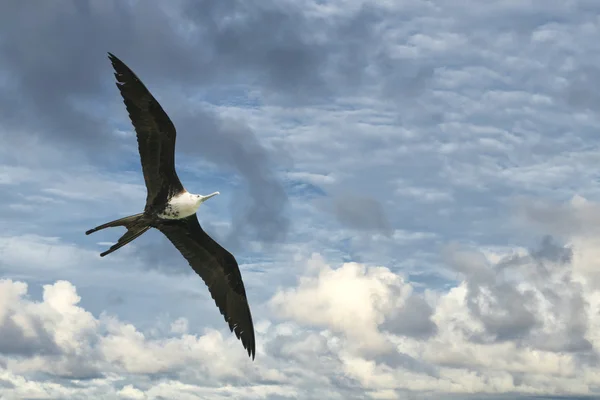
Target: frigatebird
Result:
[171, 209]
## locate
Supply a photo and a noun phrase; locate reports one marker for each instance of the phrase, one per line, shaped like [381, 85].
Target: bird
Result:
[171, 209]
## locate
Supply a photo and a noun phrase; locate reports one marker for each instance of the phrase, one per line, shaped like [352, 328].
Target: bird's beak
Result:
[204, 198]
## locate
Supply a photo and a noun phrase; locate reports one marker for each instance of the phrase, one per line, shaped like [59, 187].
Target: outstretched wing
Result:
[219, 270]
[155, 134]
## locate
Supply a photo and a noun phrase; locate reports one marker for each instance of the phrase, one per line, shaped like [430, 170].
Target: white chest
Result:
[181, 206]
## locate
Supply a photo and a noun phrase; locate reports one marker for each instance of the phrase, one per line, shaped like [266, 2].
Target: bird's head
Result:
[201, 199]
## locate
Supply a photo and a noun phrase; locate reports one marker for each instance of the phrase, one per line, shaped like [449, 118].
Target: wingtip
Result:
[252, 349]
[114, 60]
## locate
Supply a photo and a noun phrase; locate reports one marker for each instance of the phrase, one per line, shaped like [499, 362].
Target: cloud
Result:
[361, 213]
[336, 299]
[504, 310]
[229, 143]
[522, 298]
[412, 319]
[186, 53]
[576, 218]
[575, 221]
[437, 117]
[21, 335]
[342, 331]
[279, 46]
[71, 99]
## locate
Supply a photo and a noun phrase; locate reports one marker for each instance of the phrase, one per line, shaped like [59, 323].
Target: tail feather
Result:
[126, 222]
[129, 236]
[135, 224]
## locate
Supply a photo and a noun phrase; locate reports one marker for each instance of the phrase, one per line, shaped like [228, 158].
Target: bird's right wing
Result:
[219, 270]
[155, 134]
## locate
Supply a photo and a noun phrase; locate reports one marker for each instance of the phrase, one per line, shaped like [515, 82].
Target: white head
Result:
[201, 199]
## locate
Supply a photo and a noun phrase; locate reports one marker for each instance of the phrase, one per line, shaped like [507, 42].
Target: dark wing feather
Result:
[219, 270]
[155, 134]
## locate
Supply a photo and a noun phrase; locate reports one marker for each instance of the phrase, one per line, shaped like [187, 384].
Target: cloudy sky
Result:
[411, 189]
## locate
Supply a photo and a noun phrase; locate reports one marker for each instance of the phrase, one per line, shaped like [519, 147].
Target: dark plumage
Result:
[172, 210]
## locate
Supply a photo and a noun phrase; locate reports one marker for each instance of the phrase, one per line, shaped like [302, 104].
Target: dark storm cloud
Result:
[57, 83]
[54, 54]
[362, 213]
[235, 146]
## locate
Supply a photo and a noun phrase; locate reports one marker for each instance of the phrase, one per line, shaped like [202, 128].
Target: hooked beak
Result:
[204, 198]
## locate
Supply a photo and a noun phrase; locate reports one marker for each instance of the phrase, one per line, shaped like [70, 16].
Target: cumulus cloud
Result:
[343, 330]
[352, 300]
[466, 335]
[61, 339]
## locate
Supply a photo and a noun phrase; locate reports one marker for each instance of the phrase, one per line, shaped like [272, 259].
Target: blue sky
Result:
[410, 187]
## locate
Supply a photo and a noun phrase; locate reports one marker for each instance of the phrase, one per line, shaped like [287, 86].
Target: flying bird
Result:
[171, 209]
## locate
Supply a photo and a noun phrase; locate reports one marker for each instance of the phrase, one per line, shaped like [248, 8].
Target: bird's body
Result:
[183, 205]
[171, 209]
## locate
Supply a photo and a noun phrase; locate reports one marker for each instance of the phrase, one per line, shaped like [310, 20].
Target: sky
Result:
[411, 189]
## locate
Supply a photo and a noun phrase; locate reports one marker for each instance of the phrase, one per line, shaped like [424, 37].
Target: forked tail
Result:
[135, 224]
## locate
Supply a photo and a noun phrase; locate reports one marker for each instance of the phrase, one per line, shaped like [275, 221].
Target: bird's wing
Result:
[219, 270]
[155, 134]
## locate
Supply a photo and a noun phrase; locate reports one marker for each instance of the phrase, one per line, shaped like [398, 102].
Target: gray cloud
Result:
[6, 384]
[552, 260]
[511, 316]
[579, 92]
[59, 82]
[505, 312]
[399, 360]
[14, 341]
[413, 319]
[362, 213]
[231, 144]
[512, 313]
[272, 46]
[579, 217]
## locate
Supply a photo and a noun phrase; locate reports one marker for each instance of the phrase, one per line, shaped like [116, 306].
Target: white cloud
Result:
[130, 392]
[180, 326]
[352, 300]
[339, 330]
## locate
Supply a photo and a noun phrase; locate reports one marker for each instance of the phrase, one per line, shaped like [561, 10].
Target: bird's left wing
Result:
[219, 270]
[155, 132]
